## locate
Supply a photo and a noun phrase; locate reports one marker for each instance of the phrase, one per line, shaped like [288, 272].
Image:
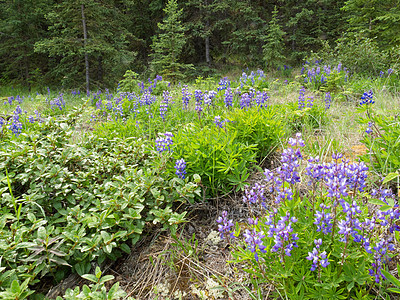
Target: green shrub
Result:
[65, 204]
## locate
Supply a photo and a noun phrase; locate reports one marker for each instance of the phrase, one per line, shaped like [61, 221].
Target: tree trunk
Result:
[208, 61]
[207, 39]
[85, 44]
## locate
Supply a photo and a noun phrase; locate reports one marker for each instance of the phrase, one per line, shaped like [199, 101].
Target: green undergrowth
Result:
[65, 205]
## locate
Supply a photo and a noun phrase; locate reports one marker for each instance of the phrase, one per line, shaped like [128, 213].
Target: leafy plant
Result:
[96, 290]
[318, 244]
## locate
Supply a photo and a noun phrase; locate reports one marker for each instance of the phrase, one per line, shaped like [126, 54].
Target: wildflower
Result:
[254, 241]
[328, 100]
[180, 167]
[367, 98]
[284, 239]
[16, 125]
[369, 128]
[164, 143]
[318, 258]
[224, 84]
[323, 220]
[301, 98]
[225, 227]
[228, 98]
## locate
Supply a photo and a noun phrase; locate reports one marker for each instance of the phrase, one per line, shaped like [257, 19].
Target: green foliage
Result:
[169, 43]
[130, 83]
[357, 53]
[307, 118]
[383, 142]
[96, 290]
[274, 47]
[213, 154]
[375, 19]
[278, 247]
[65, 205]
[259, 127]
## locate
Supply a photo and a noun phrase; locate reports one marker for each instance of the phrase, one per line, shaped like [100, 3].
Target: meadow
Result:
[293, 176]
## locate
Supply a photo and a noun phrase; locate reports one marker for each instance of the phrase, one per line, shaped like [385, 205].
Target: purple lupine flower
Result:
[298, 141]
[180, 167]
[16, 125]
[18, 110]
[284, 239]
[224, 84]
[198, 95]
[164, 143]
[254, 241]
[390, 71]
[218, 122]
[317, 258]
[10, 100]
[228, 100]
[31, 119]
[328, 100]
[225, 227]
[356, 175]
[367, 98]
[310, 101]
[323, 219]
[59, 102]
[245, 101]
[255, 194]
[185, 96]
[380, 257]
[301, 98]
[315, 170]
[369, 128]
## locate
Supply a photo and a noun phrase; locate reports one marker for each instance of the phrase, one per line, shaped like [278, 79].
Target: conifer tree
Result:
[168, 44]
[274, 46]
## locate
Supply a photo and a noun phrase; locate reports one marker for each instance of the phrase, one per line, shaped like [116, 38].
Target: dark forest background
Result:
[66, 43]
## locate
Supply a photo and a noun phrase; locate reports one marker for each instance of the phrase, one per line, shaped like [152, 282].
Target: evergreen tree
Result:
[82, 34]
[168, 44]
[22, 23]
[376, 19]
[274, 45]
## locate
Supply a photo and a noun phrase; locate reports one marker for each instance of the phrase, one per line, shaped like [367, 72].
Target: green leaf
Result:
[124, 247]
[106, 278]
[376, 202]
[90, 277]
[82, 268]
[15, 288]
[390, 177]
[391, 278]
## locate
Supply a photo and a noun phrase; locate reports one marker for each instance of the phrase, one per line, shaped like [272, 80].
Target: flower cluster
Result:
[185, 96]
[164, 104]
[58, 102]
[328, 100]
[164, 143]
[180, 167]
[284, 239]
[228, 100]
[318, 258]
[224, 84]
[225, 227]
[261, 99]
[301, 98]
[16, 125]
[367, 98]
[198, 95]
